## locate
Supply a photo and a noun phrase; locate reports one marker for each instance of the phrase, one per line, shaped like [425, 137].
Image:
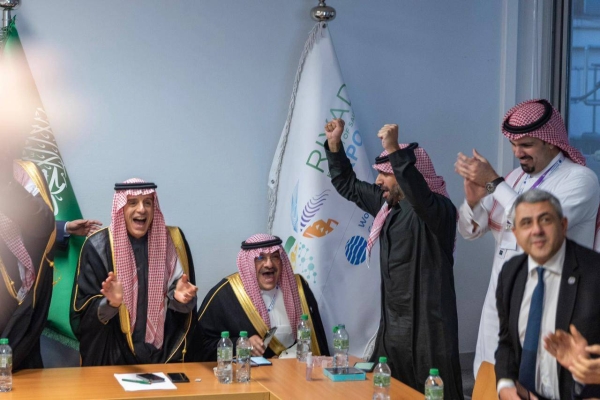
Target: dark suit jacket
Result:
[62, 237]
[578, 304]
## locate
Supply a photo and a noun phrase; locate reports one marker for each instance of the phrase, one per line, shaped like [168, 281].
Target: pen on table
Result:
[136, 381]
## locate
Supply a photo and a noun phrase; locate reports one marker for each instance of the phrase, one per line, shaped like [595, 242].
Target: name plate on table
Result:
[345, 374]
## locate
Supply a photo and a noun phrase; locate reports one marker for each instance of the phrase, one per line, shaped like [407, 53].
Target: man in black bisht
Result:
[265, 293]
[26, 241]
[415, 223]
[134, 300]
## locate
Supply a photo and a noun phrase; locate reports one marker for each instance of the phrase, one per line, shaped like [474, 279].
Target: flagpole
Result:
[7, 7]
[322, 12]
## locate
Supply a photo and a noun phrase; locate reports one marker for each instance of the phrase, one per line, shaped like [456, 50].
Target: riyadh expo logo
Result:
[356, 250]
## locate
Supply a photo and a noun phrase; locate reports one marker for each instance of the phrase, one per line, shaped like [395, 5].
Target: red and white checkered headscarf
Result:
[10, 234]
[162, 258]
[424, 165]
[538, 119]
[287, 282]
[529, 118]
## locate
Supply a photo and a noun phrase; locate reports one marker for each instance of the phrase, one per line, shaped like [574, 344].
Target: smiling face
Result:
[139, 213]
[534, 154]
[268, 270]
[539, 230]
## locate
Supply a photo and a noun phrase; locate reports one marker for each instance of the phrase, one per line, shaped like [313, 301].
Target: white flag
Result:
[324, 234]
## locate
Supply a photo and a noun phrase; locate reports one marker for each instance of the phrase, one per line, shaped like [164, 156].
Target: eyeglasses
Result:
[275, 258]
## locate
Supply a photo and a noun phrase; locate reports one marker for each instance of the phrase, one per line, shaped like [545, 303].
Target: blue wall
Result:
[193, 95]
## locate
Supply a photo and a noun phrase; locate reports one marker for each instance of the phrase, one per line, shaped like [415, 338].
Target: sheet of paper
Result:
[133, 387]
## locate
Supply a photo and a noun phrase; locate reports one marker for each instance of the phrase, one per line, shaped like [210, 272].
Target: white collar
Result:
[554, 264]
[269, 292]
[560, 156]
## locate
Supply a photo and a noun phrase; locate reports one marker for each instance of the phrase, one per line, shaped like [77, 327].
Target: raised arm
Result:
[435, 210]
[365, 195]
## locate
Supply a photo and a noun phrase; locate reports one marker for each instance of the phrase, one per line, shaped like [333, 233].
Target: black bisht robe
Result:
[418, 329]
[227, 307]
[23, 323]
[102, 344]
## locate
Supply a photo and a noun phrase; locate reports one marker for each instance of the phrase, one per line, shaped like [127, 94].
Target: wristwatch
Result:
[491, 186]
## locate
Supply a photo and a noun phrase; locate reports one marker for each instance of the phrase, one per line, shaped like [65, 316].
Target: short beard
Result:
[527, 169]
[395, 194]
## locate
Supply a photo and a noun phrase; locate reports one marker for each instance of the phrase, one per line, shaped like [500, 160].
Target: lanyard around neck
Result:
[272, 304]
[537, 183]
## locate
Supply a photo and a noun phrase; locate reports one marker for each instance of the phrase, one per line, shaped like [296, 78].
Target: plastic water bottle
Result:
[381, 380]
[224, 359]
[434, 387]
[243, 349]
[341, 344]
[5, 366]
[303, 346]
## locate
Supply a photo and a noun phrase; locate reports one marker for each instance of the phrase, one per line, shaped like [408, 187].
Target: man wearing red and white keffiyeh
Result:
[415, 226]
[142, 270]
[540, 142]
[264, 294]
[265, 273]
[26, 242]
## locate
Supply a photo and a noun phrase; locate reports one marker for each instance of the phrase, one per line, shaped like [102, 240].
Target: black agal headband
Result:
[260, 245]
[532, 126]
[135, 185]
[386, 158]
[382, 160]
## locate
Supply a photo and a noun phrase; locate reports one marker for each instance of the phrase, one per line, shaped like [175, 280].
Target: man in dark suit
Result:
[555, 283]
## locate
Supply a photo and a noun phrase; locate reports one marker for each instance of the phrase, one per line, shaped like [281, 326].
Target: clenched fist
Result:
[334, 130]
[389, 137]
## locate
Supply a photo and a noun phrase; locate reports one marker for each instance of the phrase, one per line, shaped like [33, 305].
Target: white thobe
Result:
[579, 193]
[278, 316]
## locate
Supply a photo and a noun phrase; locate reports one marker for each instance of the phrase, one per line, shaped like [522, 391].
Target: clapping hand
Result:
[112, 289]
[185, 291]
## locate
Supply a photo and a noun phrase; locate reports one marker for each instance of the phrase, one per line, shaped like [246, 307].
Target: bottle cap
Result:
[434, 372]
[342, 326]
[304, 317]
[4, 341]
[335, 329]
[243, 334]
[225, 334]
[382, 359]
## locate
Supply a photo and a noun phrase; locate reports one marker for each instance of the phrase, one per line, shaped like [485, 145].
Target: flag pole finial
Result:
[322, 12]
[7, 6]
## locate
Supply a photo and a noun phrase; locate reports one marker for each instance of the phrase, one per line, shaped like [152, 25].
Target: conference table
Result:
[285, 379]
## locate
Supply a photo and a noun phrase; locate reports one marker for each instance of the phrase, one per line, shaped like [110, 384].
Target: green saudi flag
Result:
[41, 148]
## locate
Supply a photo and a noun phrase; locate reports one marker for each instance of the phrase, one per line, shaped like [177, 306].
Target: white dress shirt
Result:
[546, 375]
[575, 186]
